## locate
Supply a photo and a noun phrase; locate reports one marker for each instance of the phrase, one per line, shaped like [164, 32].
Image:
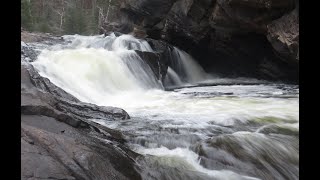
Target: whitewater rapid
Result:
[171, 126]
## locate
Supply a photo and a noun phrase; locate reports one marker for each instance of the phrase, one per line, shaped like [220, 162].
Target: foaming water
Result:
[90, 71]
[172, 78]
[193, 129]
[189, 160]
[111, 42]
[186, 68]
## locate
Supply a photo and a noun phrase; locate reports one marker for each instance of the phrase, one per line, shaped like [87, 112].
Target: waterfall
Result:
[95, 68]
[172, 78]
[184, 132]
[110, 65]
[184, 69]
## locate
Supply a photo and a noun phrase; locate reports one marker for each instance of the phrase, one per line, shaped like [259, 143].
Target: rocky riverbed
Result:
[178, 121]
[57, 140]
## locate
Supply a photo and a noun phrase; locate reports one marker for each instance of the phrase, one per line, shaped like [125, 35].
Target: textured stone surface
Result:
[59, 140]
[218, 31]
[283, 34]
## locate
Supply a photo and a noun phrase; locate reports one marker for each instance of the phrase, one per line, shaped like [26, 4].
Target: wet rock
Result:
[59, 140]
[47, 154]
[226, 37]
[156, 62]
[252, 154]
[283, 34]
[39, 95]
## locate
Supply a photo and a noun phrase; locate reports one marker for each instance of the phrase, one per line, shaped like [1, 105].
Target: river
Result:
[194, 125]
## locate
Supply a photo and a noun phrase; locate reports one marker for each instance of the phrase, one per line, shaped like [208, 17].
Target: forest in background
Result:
[65, 16]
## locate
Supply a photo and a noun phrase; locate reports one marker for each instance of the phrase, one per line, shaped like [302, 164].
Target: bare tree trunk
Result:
[61, 14]
[108, 11]
[100, 18]
[30, 13]
[61, 20]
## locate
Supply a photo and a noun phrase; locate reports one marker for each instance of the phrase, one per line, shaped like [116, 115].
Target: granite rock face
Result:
[222, 34]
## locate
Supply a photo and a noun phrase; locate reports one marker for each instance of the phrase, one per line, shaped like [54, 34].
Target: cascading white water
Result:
[110, 43]
[107, 71]
[172, 78]
[187, 68]
[96, 68]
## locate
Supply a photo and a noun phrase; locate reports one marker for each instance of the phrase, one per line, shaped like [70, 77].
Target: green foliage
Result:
[44, 27]
[78, 16]
[75, 22]
[26, 18]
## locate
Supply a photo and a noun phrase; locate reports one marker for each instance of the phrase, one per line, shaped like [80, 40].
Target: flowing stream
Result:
[222, 130]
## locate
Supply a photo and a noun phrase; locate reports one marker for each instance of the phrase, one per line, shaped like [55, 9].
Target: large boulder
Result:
[60, 140]
[54, 150]
[218, 31]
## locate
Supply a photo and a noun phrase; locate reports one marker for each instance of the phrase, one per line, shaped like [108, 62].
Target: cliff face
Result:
[231, 37]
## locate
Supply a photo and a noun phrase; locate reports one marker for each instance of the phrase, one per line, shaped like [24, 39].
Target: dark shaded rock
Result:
[186, 23]
[220, 20]
[283, 35]
[159, 46]
[43, 165]
[59, 140]
[159, 59]
[47, 154]
[33, 78]
[247, 55]
[251, 15]
[28, 54]
[156, 62]
[149, 11]
[223, 35]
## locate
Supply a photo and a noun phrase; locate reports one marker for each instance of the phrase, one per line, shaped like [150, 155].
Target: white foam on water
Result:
[107, 71]
[191, 160]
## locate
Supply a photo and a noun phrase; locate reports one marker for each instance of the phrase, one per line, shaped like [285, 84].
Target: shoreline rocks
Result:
[60, 141]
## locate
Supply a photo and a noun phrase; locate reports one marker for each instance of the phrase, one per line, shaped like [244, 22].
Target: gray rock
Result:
[59, 140]
[283, 35]
[220, 34]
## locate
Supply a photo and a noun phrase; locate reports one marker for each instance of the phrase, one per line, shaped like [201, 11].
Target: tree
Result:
[26, 16]
[65, 16]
